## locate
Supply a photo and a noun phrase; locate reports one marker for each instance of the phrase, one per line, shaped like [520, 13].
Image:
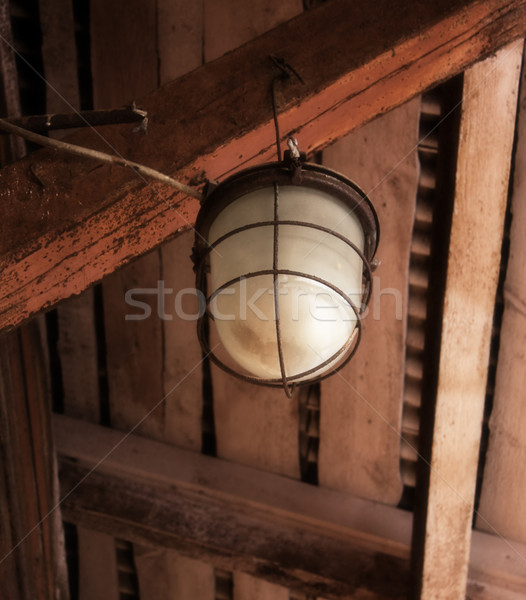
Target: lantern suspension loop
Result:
[286, 71]
[275, 116]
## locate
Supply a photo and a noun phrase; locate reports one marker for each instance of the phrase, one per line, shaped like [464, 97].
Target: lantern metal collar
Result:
[293, 173]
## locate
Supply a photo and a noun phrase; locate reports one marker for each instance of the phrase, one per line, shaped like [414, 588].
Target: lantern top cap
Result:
[289, 172]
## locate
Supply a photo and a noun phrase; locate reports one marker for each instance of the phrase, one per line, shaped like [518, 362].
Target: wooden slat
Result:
[163, 471]
[501, 506]
[59, 55]
[126, 31]
[77, 344]
[32, 537]
[495, 569]
[486, 137]
[361, 408]
[97, 566]
[166, 574]
[180, 49]
[203, 125]
[238, 518]
[248, 587]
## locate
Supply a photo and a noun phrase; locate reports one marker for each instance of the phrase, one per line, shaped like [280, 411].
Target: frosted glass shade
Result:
[284, 256]
[315, 321]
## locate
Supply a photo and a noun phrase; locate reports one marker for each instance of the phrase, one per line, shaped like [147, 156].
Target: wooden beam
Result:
[483, 164]
[504, 484]
[32, 557]
[68, 222]
[162, 496]
[237, 517]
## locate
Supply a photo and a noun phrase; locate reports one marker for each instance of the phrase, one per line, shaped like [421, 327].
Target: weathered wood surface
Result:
[142, 464]
[180, 49]
[496, 569]
[97, 557]
[502, 509]
[76, 344]
[361, 407]
[485, 145]
[237, 517]
[126, 32]
[201, 125]
[32, 558]
[255, 426]
[166, 574]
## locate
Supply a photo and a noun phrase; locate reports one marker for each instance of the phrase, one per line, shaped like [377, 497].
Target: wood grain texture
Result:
[485, 145]
[32, 538]
[180, 49]
[248, 587]
[145, 464]
[501, 508]
[236, 517]
[77, 344]
[97, 565]
[124, 66]
[361, 408]
[167, 574]
[203, 125]
[59, 56]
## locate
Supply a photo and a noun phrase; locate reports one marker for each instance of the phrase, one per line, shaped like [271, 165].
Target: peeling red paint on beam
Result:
[218, 119]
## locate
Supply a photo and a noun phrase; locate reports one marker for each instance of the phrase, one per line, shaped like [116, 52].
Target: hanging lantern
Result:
[283, 258]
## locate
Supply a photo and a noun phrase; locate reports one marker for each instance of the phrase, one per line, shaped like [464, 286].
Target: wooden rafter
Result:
[237, 517]
[442, 542]
[68, 223]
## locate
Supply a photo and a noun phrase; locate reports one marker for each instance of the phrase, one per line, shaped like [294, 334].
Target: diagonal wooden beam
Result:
[67, 223]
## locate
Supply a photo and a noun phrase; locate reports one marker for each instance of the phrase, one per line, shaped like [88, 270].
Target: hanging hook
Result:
[286, 71]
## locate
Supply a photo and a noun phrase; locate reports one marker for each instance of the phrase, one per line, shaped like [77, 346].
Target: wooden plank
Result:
[349, 80]
[497, 569]
[97, 566]
[360, 418]
[160, 572]
[238, 518]
[167, 574]
[358, 524]
[228, 25]
[59, 55]
[77, 344]
[485, 145]
[11, 148]
[180, 49]
[33, 542]
[126, 31]
[179, 37]
[246, 586]
[501, 506]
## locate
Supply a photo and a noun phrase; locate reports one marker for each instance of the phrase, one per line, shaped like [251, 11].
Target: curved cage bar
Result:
[277, 382]
[271, 179]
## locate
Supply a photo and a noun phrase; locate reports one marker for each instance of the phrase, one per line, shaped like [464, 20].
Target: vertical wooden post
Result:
[501, 507]
[32, 554]
[441, 549]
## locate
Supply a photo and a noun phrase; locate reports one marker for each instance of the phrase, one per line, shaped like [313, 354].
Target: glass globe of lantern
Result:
[287, 245]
